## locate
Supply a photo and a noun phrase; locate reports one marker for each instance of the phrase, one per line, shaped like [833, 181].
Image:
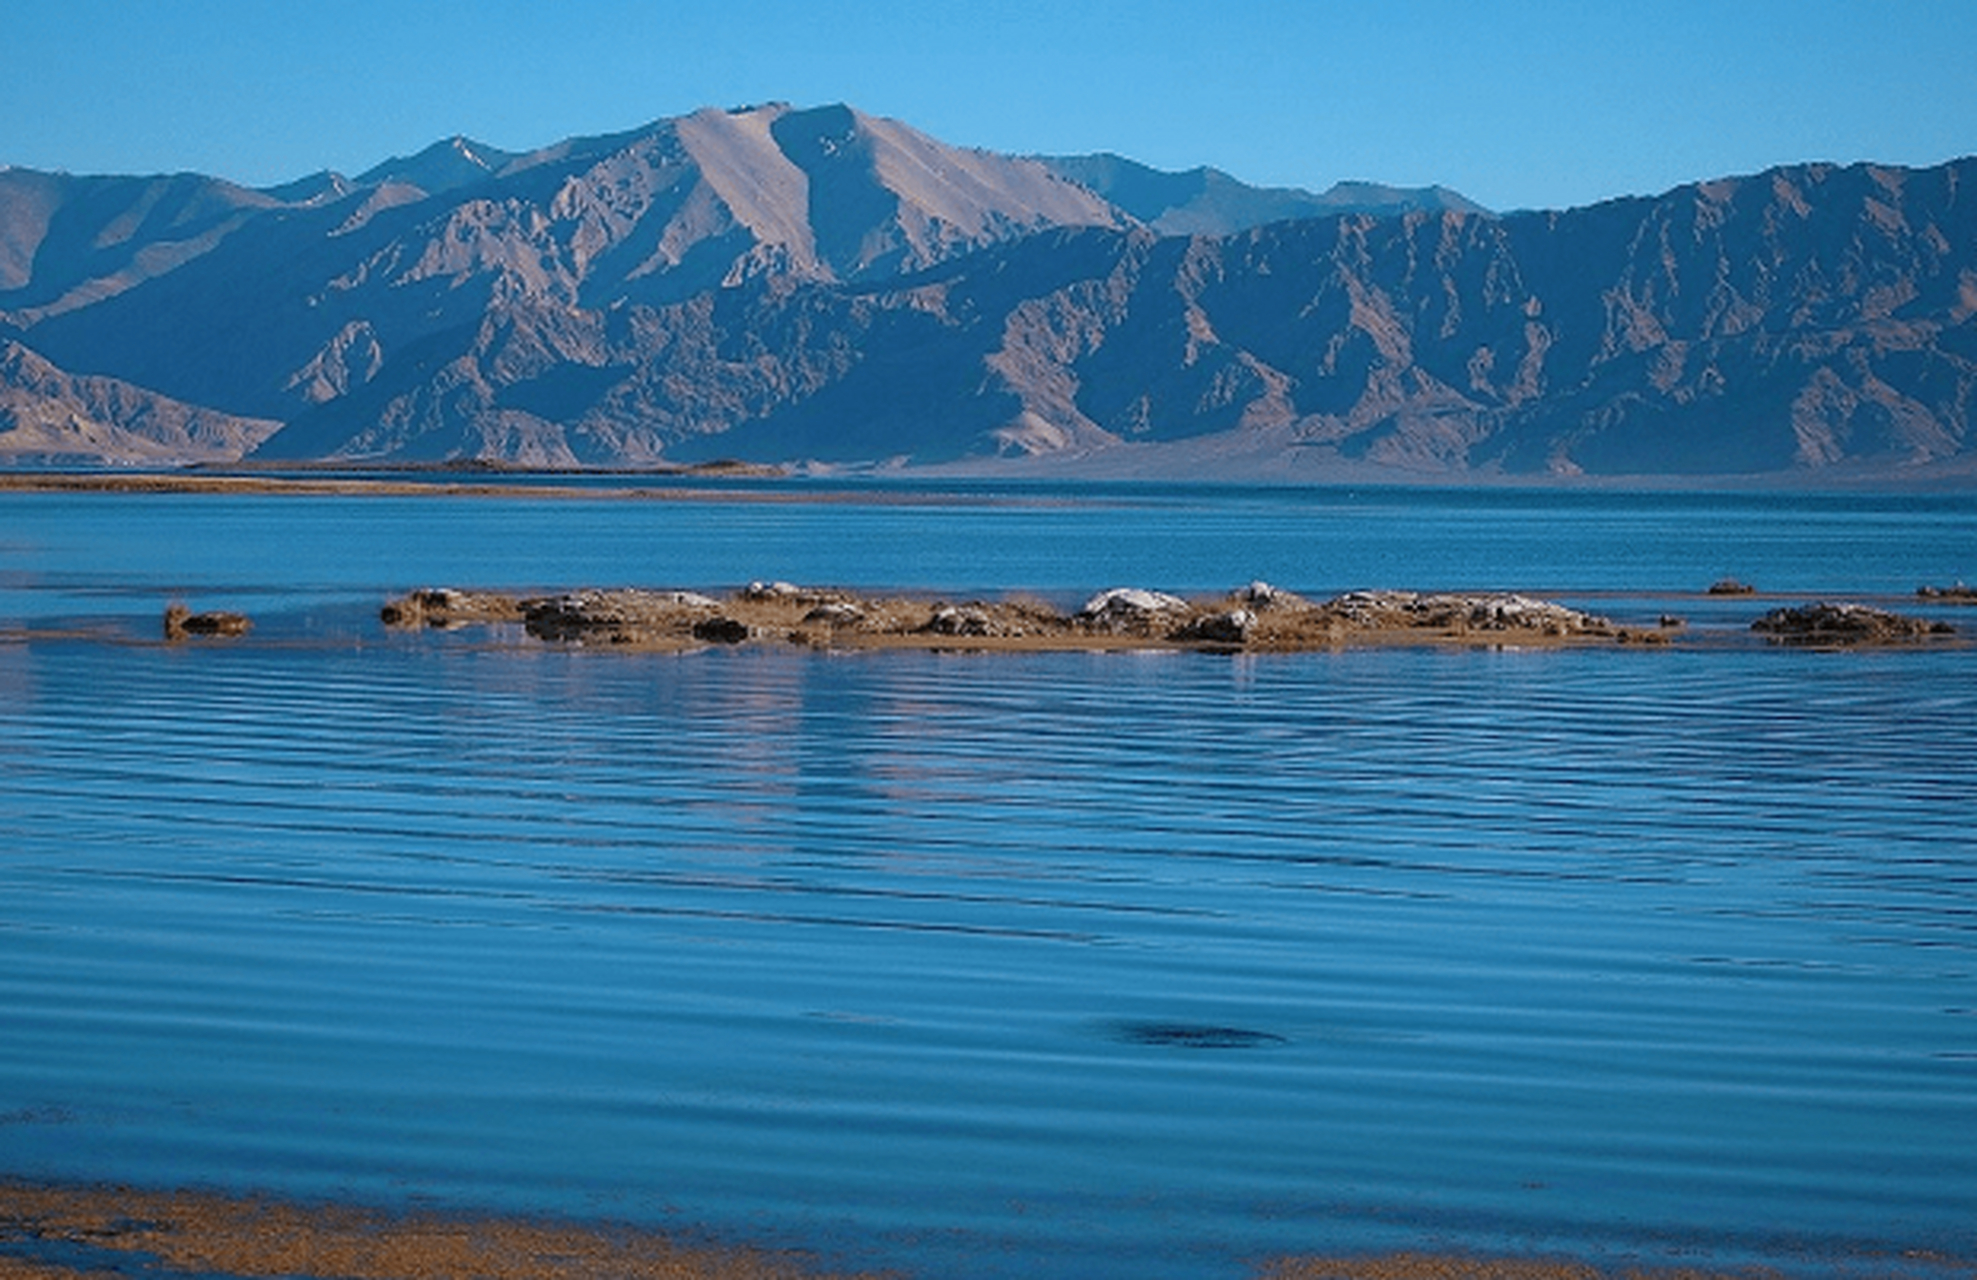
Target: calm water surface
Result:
[1063, 964]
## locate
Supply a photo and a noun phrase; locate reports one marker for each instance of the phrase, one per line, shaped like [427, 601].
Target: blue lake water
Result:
[1003, 965]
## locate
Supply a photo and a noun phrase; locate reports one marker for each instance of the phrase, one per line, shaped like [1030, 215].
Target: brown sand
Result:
[196, 1232]
[55, 1232]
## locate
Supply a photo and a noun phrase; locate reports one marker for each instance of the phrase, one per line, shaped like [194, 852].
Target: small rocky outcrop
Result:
[182, 623]
[1955, 593]
[963, 620]
[620, 616]
[1827, 623]
[1489, 612]
[1731, 587]
[1219, 627]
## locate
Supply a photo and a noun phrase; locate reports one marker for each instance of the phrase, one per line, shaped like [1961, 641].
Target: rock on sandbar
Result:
[182, 623]
[1826, 623]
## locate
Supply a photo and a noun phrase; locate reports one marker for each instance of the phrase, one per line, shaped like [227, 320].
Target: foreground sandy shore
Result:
[82, 1233]
[61, 1233]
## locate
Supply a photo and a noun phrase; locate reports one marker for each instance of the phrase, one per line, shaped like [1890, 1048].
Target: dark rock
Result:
[1845, 624]
[963, 620]
[421, 608]
[721, 630]
[181, 623]
[1731, 587]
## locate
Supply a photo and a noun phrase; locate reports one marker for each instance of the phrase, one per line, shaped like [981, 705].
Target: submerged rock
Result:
[1195, 1035]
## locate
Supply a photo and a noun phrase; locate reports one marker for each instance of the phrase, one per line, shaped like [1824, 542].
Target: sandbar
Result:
[1255, 618]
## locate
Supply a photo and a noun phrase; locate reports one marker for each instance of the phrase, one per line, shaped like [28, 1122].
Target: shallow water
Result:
[1059, 964]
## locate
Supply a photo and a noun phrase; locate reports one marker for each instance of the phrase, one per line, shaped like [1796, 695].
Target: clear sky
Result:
[1534, 103]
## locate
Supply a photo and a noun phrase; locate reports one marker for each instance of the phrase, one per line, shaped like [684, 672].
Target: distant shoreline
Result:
[751, 482]
[444, 484]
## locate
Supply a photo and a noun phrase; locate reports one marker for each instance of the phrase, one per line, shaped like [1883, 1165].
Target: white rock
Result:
[1131, 600]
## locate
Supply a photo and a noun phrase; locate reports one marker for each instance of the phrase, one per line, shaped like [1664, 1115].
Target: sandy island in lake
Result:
[1256, 618]
[63, 1232]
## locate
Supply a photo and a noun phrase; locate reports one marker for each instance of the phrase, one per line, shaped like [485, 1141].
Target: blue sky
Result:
[1535, 104]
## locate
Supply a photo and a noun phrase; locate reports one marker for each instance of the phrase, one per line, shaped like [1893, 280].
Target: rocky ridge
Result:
[825, 288]
[51, 418]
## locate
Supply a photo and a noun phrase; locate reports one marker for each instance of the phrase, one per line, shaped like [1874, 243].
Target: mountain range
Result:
[825, 288]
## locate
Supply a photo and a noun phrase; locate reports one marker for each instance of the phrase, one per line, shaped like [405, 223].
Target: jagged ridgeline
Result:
[785, 285]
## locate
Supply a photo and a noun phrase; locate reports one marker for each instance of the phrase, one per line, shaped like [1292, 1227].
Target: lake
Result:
[1016, 964]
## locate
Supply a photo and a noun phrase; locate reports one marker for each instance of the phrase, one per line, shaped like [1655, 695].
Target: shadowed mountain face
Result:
[48, 418]
[781, 284]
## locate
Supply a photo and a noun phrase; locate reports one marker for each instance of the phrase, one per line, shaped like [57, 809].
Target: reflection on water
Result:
[1025, 964]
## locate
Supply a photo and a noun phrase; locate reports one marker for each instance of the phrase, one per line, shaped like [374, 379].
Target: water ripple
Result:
[1015, 953]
